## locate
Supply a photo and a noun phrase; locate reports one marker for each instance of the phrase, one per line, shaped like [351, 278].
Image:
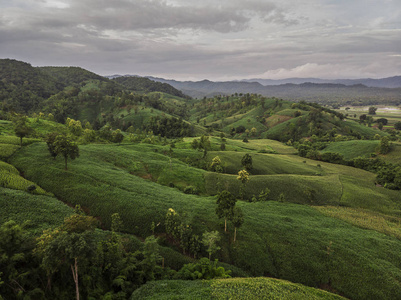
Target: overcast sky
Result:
[198, 39]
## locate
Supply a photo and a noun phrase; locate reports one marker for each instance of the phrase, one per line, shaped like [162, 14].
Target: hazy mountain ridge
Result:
[388, 82]
[321, 92]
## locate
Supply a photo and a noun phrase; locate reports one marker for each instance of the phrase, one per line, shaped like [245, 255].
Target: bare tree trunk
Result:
[235, 233]
[49, 282]
[225, 224]
[74, 270]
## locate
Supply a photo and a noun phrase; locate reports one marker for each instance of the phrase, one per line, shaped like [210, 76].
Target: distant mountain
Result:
[321, 92]
[390, 82]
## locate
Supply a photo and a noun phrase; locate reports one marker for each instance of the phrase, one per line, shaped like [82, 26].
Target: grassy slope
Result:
[41, 212]
[281, 239]
[353, 149]
[236, 288]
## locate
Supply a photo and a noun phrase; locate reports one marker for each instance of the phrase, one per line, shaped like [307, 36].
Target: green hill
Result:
[142, 84]
[280, 239]
[237, 288]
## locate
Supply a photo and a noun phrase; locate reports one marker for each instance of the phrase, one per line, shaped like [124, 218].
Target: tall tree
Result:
[225, 205]
[243, 176]
[246, 162]
[65, 146]
[21, 127]
[50, 138]
[384, 146]
[152, 258]
[237, 219]
[72, 244]
[210, 239]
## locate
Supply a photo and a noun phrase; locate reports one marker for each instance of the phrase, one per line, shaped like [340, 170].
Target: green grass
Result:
[234, 288]
[388, 225]
[6, 127]
[364, 130]
[6, 150]
[283, 240]
[41, 212]
[264, 164]
[10, 178]
[353, 149]
[42, 127]
[394, 156]
[13, 140]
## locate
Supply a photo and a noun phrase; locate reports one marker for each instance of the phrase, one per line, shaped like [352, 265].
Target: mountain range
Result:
[340, 91]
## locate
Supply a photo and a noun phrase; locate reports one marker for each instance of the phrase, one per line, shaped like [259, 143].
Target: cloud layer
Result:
[186, 39]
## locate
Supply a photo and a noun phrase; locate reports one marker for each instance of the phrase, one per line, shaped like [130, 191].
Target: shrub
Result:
[191, 190]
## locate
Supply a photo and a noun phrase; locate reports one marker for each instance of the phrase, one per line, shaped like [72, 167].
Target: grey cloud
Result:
[205, 38]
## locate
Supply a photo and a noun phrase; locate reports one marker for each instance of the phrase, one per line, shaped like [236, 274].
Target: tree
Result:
[71, 244]
[151, 259]
[50, 138]
[204, 144]
[397, 125]
[216, 165]
[384, 121]
[173, 223]
[237, 219]
[243, 176]
[65, 146]
[210, 239]
[117, 136]
[16, 261]
[372, 110]
[246, 162]
[384, 146]
[21, 127]
[225, 205]
[116, 223]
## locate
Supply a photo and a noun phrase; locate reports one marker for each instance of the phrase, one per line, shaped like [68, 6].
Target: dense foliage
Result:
[142, 84]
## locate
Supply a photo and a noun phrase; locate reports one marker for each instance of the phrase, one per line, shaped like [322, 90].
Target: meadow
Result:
[279, 239]
[391, 113]
[235, 288]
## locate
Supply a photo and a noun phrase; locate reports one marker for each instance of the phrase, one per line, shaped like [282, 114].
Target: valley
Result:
[320, 202]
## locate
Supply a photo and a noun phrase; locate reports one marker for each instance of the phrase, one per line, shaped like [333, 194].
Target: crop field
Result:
[235, 288]
[6, 150]
[389, 225]
[353, 149]
[394, 156]
[391, 113]
[10, 178]
[37, 211]
[283, 240]
[13, 140]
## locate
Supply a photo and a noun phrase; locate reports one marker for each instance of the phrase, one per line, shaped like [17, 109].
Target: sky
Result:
[204, 39]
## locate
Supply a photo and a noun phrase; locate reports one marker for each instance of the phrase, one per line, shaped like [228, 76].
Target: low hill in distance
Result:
[335, 92]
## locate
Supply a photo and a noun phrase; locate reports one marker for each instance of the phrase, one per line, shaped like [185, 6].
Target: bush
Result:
[191, 190]
[202, 270]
